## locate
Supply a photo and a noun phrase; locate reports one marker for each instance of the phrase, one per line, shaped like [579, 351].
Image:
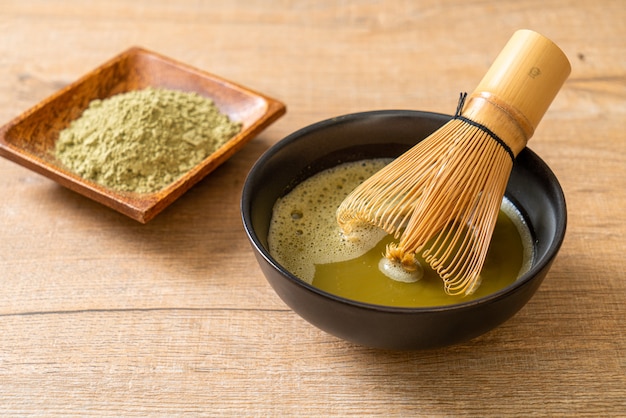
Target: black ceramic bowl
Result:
[532, 187]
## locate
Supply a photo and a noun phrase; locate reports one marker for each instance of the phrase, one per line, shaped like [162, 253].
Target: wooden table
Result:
[101, 315]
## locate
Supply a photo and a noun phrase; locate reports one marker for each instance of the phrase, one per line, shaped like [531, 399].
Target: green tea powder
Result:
[143, 140]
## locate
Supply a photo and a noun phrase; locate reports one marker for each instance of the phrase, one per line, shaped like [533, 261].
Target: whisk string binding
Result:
[458, 116]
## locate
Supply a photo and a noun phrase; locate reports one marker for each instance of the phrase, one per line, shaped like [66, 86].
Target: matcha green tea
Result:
[305, 238]
[143, 140]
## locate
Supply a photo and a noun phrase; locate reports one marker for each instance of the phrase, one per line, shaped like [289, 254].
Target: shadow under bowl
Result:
[532, 187]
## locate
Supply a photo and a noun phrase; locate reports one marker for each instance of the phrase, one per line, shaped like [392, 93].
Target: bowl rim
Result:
[535, 268]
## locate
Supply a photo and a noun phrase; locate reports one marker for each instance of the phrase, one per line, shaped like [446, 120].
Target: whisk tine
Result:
[442, 197]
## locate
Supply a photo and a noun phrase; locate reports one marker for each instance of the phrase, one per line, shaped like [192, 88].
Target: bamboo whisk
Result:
[442, 197]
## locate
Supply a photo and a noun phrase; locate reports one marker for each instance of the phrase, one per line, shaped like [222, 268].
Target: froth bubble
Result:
[395, 271]
[305, 221]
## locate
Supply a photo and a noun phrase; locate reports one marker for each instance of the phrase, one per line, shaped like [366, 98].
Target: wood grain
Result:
[100, 315]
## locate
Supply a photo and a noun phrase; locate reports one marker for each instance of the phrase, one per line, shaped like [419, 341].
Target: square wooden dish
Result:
[29, 139]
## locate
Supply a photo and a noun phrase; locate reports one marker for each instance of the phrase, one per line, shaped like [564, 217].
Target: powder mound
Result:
[143, 140]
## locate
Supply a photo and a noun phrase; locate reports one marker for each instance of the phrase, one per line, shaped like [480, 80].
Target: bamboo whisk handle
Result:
[518, 88]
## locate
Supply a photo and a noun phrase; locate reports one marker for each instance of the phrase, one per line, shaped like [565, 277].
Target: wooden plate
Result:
[29, 139]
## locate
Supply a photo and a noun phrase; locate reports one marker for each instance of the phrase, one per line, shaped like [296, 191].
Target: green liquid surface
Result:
[360, 279]
[305, 238]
